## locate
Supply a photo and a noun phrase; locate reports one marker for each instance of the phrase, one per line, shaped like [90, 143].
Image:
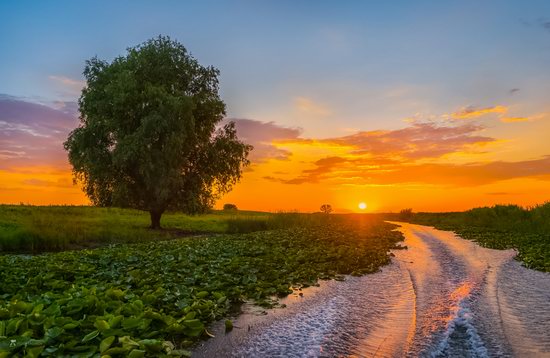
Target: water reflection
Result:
[443, 297]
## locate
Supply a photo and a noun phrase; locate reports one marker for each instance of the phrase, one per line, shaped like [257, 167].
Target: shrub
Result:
[230, 207]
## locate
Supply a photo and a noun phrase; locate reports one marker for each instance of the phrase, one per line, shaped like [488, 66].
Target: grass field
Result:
[35, 229]
[145, 296]
[501, 227]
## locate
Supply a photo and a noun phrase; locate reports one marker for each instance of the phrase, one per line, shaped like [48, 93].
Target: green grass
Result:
[36, 229]
[156, 298]
[501, 227]
[259, 222]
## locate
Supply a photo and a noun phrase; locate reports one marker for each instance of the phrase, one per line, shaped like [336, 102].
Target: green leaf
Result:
[101, 325]
[70, 326]
[131, 322]
[106, 343]
[128, 342]
[34, 352]
[13, 325]
[202, 294]
[180, 353]
[190, 315]
[136, 353]
[115, 321]
[193, 323]
[90, 336]
[116, 351]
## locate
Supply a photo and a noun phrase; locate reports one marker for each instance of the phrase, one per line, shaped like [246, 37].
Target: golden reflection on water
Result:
[461, 292]
[413, 307]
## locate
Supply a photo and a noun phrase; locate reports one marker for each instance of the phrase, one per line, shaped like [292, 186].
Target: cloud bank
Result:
[33, 134]
[261, 136]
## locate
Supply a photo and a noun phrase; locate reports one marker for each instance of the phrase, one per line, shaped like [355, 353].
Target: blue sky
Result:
[365, 64]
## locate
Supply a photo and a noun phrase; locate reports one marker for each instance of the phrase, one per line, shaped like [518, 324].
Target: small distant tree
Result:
[326, 208]
[230, 207]
[406, 214]
[149, 136]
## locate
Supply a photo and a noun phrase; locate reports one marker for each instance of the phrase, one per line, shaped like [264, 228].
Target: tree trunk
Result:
[155, 219]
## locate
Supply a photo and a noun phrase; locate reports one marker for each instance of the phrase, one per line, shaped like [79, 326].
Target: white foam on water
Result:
[300, 336]
[463, 318]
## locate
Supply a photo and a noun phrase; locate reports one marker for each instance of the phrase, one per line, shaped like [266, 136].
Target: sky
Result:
[432, 105]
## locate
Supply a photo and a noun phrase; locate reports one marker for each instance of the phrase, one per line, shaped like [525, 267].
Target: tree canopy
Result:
[150, 135]
[326, 208]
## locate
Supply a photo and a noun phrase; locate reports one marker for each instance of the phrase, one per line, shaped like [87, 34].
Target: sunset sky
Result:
[434, 105]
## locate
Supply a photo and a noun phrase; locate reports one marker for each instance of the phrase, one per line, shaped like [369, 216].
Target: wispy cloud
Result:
[70, 86]
[500, 193]
[308, 106]
[59, 183]
[473, 112]
[506, 119]
[32, 133]
[514, 119]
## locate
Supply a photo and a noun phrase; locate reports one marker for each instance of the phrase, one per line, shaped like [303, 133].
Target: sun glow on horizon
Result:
[362, 206]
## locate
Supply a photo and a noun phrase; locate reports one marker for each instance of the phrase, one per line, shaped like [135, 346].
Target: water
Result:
[443, 297]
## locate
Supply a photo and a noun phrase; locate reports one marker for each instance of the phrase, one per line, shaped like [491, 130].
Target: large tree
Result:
[150, 135]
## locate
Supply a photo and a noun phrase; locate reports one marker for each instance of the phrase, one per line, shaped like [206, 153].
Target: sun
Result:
[362, 206]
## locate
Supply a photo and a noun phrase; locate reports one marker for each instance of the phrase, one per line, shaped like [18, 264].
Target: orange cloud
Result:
[418, 141]
[514, 119]
[522, 119]
[363, 171]
[472, 112]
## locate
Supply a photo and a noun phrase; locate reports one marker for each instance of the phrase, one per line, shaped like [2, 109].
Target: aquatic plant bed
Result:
[156, 298]
[533, 248]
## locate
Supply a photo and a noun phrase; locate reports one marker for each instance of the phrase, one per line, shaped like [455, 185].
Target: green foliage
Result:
[154, 299]
[35, 229]
[501, 227]
[148, 138]
[55, 228]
